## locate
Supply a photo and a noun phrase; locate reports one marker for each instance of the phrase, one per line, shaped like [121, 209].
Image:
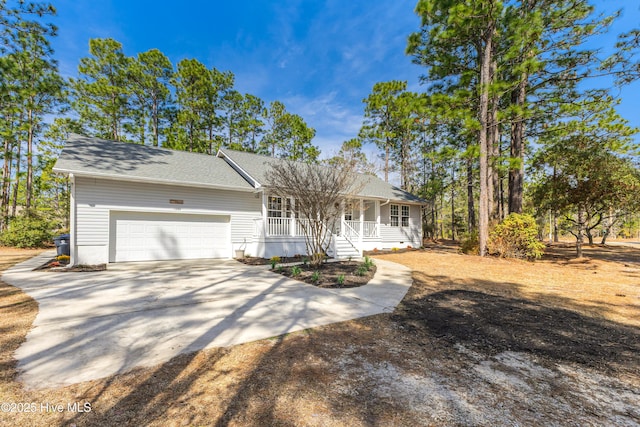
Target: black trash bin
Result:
[62, 244]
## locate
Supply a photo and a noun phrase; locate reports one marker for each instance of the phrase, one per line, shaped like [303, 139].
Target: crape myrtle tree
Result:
[318, 194]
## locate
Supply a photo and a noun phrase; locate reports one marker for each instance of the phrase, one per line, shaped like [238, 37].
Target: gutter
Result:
[130, 178]
[72, 221]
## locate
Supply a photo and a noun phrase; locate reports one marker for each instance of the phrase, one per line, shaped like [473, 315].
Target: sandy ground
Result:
[475, 342]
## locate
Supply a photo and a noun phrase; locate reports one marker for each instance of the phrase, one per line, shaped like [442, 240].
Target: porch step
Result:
[344, 249]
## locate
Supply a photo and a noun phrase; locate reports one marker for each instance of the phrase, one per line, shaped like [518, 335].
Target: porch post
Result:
[265, 220]
[361, 224]
[377, 207]
[292, 220]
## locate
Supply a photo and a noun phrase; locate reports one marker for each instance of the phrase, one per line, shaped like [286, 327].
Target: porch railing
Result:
[350, 229]
[370, 229]
[278, 226]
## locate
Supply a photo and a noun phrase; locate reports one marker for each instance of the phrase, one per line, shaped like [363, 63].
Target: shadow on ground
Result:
[403, 368]
[493, 324]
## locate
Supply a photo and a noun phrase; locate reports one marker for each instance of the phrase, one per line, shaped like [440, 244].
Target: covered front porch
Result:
[359, 220]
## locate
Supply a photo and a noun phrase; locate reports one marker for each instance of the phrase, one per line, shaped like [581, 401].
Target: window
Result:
[350, 212]
[394, 215]
[399, 215]
[275, 207]
[278, 207]
[405, 216]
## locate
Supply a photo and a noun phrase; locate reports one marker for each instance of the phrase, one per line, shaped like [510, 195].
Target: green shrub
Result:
[28, 231]
[516, 237]
[315, 277]
[295, 271]
[368, 263]
[274, 260]
[469, 243]
[340, 279]
[361, 271]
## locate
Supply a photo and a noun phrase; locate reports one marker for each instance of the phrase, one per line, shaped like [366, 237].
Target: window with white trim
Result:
[394, 215]
[350, 211]
[399, 215]
[279, 207]
[405, 216]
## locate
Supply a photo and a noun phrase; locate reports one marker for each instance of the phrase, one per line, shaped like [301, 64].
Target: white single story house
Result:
[132, 202]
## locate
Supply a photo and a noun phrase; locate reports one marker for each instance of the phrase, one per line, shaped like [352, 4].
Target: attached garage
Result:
[153, 236]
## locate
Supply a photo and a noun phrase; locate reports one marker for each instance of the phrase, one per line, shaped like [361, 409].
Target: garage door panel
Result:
[144, 236]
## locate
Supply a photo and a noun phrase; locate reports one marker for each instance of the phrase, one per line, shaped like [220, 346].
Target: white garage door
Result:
[145, 236]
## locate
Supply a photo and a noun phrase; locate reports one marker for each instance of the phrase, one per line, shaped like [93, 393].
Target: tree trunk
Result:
[471, 210]
[29, 186]
[386, 161]
[516, 175]
[484, 139]
[501, 213]
[580, 234]
[442, 214]
[493, 148]
[453, 205]
[587, 231]
[154, 122]
[6, 180]
[14, 202]
[611, 220]
[556, 237]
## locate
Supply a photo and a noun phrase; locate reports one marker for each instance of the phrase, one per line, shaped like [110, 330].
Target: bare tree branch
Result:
[319, 193]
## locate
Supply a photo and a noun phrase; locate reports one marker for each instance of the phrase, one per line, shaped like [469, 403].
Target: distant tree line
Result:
[146, 100]
[509, 120]
[142, 99]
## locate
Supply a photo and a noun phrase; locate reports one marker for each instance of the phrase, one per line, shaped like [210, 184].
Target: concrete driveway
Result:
[92, 325]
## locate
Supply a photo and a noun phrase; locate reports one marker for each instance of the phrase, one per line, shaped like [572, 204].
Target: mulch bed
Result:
[329, 273]
[389, 251]
[62, 267]
[251, 260]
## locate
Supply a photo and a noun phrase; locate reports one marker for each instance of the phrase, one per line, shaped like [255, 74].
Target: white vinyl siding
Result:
[95, 198]
[393, 235]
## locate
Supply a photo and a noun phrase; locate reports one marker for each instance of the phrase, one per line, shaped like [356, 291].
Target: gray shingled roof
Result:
[256, 166]
[95, 157]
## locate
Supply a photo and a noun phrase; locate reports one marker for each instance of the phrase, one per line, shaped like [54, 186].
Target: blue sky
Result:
[319, 58]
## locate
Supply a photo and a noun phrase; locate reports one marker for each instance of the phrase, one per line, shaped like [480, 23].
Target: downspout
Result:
[379, 219]
[72, 220]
